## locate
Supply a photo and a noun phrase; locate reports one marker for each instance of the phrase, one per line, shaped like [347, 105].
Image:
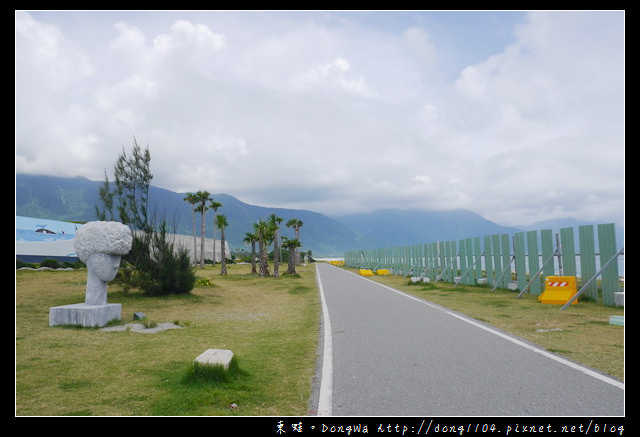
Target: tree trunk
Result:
[276, 257]
[253, 257]
[292, 261]
[195, 255]
[202, 243]
[263, 257]
[223, 261]
[214, 238]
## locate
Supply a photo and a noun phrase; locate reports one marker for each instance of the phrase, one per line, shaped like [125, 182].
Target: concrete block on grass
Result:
[89, 316]
[619, 299]
[214, 358]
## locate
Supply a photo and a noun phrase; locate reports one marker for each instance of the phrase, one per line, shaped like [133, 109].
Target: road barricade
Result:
[559, 290]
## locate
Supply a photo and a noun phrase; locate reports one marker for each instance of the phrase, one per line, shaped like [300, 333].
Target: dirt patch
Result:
[138, 327]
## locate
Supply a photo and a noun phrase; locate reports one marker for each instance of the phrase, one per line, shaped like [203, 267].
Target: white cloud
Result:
[359, 109]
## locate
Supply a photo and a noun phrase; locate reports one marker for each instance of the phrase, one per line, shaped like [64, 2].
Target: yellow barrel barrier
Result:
[366, 272]
[382, 272]
[559, 290]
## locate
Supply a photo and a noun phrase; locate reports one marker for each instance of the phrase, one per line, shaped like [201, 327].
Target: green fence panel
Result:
[413, 260]
[433, 258]
[447, 263]
[441, 260]
[420, 259]
[587, 261]
[488, 260]
[427, 260]
[491, 258]
[453, 251]
[506, 260]
[521, 263]
[468, 244]
[497, 259]
[568, 249]
[462, 252]
[547, 246]
[609, 276]
[534, 262]
[477, 257]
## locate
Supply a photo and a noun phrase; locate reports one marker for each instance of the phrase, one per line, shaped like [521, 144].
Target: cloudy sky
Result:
[517, 116]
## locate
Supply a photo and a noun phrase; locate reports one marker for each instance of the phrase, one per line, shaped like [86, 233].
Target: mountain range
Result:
[74, 199]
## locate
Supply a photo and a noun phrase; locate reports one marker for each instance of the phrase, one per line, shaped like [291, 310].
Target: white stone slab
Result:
[214, 357]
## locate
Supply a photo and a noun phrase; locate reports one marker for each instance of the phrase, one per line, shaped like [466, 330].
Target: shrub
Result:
[159, 268]
[204, 282]
[20, 264]
[50, 263]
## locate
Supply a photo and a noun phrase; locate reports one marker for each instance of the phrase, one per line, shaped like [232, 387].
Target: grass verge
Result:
[271, 326]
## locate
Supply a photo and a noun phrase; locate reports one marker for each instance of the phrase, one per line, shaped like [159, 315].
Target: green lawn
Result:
[271, 326]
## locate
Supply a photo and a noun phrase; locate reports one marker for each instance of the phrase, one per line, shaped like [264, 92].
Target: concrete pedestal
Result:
[85, 315]
[619, 299]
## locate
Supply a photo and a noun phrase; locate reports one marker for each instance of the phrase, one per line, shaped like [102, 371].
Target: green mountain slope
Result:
[74, 199]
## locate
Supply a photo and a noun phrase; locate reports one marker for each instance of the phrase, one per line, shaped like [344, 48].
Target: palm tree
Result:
[274, 224]
[292, 245]
[251, 238]
[262, 230]
[296, 224]
[191, 199]
[202, 197]
[221, 223]
[214, 206]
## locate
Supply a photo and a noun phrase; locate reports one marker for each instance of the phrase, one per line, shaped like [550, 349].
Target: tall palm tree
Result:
[252, 238]
[262, 230]
[274, 224]
[202, 197]
[296, 224]
[221, 223]
[214, 206]
[191, 199]
[292, 245]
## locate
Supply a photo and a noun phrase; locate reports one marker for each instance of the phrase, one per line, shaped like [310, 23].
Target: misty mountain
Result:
[395, 227]
[74, 199]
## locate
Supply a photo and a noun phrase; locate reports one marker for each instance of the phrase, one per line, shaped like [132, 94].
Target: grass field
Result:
[270, 324]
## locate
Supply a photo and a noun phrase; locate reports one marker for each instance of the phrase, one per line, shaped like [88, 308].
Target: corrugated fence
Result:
[521, 261]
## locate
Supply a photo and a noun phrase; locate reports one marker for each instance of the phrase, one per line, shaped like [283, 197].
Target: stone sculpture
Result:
[99, 245]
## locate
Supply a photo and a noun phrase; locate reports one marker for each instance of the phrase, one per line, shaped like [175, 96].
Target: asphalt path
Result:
[386, 353]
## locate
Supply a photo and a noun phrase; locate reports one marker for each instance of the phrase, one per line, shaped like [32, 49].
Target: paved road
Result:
[389, 354]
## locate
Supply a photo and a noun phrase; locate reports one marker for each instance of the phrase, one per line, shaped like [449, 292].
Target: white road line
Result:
[326, 382]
